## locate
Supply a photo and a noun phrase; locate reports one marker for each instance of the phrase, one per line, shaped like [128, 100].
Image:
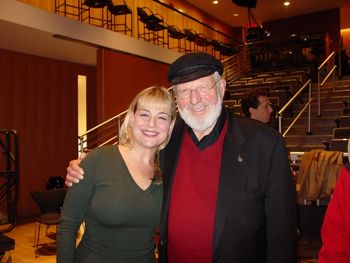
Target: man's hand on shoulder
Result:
[74, 171]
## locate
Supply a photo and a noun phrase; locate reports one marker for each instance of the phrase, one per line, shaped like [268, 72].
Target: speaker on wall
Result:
[245, 3]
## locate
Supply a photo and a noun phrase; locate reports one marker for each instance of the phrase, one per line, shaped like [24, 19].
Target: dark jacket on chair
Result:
[255, 219]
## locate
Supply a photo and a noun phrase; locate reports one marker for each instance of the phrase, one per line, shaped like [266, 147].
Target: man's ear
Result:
[251, 111]
[222, 86]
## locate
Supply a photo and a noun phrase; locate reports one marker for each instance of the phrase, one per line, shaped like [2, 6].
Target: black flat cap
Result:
[193, 66]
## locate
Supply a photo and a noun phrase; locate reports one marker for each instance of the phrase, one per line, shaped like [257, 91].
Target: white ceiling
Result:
[268, 10]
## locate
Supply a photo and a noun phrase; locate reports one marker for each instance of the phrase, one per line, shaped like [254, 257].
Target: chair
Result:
[50, 203]
[223, 48]
[191, 37]
[97, 17]
[121, 10]
[154, 26]
[97, 3]
[175, 33]
[202, 42]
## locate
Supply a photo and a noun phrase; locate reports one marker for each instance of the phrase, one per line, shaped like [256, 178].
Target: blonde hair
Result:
[154, 96]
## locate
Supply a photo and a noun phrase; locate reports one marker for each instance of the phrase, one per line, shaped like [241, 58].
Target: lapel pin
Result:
[239, 159]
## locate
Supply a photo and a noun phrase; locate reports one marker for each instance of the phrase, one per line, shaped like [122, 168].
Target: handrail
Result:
[236, 65]
[105, 133]
[328, 75]
[326, 60]
[103, 123]
[296, 118]
[319, 83]
[280, 112]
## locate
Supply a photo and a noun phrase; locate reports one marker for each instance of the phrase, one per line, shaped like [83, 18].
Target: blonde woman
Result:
[121, 195]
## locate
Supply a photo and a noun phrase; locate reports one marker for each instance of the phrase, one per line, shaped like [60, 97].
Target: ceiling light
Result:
[215, 2]
[235, 14]
[286, 3]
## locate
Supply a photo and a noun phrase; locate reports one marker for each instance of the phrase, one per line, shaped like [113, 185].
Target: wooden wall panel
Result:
[39, 100]
[121, 77]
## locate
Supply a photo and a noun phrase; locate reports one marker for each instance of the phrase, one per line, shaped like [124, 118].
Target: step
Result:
[302, 130]
[338, 99]
[307, 139]
[325, 94]
[326, 104]
[331, 85]
[315, 121]
[314, 112]
[344, 121]
[336, 105]
[304, 147]
[343, 81]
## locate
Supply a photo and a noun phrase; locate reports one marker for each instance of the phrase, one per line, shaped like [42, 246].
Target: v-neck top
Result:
[120, 217]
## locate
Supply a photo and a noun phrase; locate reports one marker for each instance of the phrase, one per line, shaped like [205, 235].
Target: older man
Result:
[228, 192]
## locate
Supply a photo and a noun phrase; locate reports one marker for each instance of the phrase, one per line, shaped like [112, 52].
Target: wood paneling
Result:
[39, 100]
[121, 77]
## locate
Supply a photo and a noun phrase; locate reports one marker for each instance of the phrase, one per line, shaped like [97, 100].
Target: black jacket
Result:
[255, 219]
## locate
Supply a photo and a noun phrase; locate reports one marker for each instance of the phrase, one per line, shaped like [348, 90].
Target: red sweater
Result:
[193, 202]
[336, 225]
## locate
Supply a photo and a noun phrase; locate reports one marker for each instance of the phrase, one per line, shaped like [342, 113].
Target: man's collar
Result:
[209, 139]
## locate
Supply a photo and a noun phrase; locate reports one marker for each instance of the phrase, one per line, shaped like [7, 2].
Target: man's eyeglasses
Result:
[186, 92]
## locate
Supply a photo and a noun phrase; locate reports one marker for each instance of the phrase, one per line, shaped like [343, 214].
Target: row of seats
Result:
[116, 15]
[120, 9]
[157, 31]
[113, 15]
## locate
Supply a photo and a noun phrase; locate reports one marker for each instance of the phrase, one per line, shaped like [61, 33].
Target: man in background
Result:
[256, 105]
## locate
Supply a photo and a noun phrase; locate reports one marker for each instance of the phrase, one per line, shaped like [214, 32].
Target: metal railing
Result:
[236, 66]
[9, 170]
[289, 103]
[326, 68]
[105, 133]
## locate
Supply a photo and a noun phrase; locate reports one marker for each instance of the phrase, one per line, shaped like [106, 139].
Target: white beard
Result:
[205, 122]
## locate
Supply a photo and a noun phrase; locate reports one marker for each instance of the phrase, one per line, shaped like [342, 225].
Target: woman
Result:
[121, 194]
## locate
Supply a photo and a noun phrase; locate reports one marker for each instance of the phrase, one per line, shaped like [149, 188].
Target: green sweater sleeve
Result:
[74, 210]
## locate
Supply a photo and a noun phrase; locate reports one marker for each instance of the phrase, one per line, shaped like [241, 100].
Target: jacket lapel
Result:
[232, 165]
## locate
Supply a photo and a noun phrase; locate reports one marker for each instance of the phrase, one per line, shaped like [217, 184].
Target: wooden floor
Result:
[24, 252]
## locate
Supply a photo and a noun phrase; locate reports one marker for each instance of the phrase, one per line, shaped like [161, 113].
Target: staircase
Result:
[332, 96]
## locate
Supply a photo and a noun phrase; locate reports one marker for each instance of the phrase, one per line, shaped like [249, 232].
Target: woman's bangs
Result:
[160, 103]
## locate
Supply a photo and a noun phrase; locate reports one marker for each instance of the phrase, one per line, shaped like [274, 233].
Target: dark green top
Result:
[120, 217]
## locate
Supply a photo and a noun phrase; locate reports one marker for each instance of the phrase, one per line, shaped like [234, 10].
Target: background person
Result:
[121, 194]
[228, 192]
[256, 105]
